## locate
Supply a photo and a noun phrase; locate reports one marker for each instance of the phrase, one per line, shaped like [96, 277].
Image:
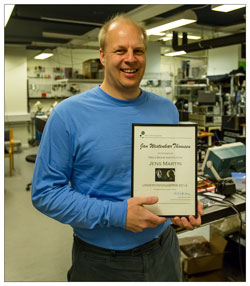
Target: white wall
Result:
[223, 60]
[170, 66]
[153, 56]
[15, 93]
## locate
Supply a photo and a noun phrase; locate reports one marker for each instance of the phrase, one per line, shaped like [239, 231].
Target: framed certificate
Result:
[164, 164]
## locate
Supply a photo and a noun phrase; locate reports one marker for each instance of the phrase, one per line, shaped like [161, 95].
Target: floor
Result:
[36, 248]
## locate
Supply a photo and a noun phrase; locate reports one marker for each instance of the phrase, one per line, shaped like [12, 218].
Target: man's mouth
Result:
[129, 70]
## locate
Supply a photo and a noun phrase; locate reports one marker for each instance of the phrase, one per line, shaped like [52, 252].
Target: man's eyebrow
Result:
[124, 47]
[119, 47]
[139, 47]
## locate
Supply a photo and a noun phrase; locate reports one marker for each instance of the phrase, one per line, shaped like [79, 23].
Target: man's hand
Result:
[138, 217]
[191, 222]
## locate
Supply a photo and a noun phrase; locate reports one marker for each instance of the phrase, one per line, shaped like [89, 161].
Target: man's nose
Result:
[130, 56]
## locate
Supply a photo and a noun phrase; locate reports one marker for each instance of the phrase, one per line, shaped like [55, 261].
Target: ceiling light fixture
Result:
[226, 8]
[173, 54]
[43, 56]
[166, 38]
[176, 21]
[192, 37]
[7, 13]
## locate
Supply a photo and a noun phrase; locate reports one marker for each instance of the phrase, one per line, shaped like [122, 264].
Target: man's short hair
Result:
[103, 32]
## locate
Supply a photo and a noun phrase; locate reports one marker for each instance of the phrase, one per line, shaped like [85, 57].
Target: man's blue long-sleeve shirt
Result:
[82, 175]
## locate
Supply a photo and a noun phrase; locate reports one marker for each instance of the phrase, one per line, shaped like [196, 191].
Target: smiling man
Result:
[87, 142]
[124, 59]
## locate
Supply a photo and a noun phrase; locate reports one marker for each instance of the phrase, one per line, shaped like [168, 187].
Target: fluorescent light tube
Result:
[167, 38]
[169, 26]
[192, 37]
[7, 13]
[226, 8]
[43, 56]
[157, 34]
[175, 54]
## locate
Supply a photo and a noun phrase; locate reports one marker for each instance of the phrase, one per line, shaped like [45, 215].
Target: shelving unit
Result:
[56, 89]
[41, 88]
[232, 92]
[186, 94]
[188, 88]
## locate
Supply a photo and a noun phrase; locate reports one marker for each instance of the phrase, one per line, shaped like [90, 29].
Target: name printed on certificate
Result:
[164, 164]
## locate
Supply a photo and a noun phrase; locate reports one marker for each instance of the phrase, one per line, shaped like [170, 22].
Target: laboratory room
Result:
[124, 143]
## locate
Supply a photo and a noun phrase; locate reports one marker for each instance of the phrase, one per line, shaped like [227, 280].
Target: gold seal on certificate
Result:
[164, 164]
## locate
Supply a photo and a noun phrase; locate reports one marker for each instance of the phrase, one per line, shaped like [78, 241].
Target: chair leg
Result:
[10, 166]
[11, 163]
[12, 158]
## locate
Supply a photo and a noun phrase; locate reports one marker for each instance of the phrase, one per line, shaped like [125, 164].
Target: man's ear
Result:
[102, 58]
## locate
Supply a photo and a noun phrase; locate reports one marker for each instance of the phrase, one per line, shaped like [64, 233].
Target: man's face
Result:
[123, 58]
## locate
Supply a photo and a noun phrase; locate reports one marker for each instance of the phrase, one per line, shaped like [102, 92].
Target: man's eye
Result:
[120, 52]
[139, 52]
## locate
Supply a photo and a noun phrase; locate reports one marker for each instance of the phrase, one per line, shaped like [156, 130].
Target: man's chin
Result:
[133, 85]
[130, 88]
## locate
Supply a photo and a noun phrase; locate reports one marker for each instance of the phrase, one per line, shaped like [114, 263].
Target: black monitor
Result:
[206, 97]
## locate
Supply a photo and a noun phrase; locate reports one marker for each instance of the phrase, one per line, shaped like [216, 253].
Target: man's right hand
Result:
[138, 217]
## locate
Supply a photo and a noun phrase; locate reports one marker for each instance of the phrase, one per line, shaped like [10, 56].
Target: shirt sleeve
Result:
[52, 193]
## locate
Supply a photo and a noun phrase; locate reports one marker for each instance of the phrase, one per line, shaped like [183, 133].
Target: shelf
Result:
[60, 93]
[37, 77]
[192, 85]
[54, 97]
[186, 96]
[85, 80]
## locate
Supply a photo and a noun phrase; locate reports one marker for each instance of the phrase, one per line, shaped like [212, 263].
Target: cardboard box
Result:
[90, 68]
[211, 276]
[209, 258]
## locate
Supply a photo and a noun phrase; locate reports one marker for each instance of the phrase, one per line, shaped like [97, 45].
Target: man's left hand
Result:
[191, 222]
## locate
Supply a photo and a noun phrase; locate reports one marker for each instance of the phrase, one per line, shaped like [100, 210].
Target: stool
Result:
[31, 159]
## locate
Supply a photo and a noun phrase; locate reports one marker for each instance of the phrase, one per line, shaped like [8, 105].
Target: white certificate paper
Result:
[164, 164]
